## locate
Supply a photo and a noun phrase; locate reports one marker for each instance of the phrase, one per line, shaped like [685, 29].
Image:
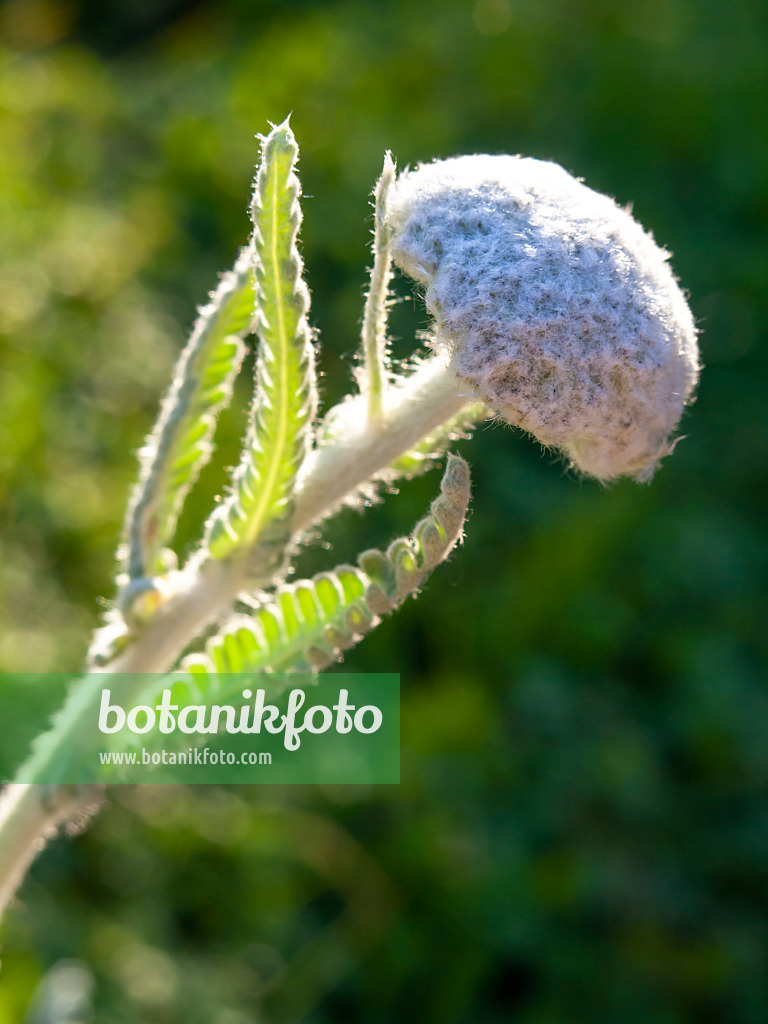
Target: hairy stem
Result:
[207, 590]
[29, 816]
[418, 406]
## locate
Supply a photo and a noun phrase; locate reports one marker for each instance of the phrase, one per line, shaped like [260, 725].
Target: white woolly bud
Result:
[556, 307]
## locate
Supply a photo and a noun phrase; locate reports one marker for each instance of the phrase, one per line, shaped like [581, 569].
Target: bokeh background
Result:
[581, 833]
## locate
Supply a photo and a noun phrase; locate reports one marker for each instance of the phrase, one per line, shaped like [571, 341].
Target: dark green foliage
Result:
[581, 833]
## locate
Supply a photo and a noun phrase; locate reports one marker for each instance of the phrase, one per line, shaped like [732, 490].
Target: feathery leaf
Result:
[255, 516]
[180, 444]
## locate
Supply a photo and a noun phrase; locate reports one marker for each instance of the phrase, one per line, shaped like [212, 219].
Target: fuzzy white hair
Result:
[556, 307]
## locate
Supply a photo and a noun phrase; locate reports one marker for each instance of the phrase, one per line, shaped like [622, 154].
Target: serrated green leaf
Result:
[373, 374]
[180, 444]
[255, 516]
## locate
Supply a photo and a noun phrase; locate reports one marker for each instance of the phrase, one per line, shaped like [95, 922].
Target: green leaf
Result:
[180, 444]
[373, 374]
[307, 625]
[255, 517]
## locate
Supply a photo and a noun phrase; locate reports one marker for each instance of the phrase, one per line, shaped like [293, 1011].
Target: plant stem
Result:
[29, 816]
[419, 405]
[207, 590]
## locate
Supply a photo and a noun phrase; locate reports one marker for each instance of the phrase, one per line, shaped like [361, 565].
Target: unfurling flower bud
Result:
[555, 306]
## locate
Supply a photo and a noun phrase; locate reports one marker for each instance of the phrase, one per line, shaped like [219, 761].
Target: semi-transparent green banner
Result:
[228, 728]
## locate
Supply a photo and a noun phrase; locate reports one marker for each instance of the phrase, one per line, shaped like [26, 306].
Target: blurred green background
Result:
[581, 833]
